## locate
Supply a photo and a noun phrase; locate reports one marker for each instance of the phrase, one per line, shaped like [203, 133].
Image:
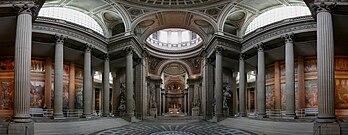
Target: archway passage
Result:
[174, 90]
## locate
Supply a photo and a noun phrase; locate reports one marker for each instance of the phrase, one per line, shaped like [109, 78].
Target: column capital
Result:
[260, 47]
[60, 38]
[145, 52]
[323, 6]
[30, 9]
[129, 50]
[242, 56]
[106, 56]
[219, 50]
[288, 37]
[88, 47]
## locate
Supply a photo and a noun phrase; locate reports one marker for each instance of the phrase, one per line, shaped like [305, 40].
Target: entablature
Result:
[229, 44]
[117, 48]
[276, 30]
[72, 31]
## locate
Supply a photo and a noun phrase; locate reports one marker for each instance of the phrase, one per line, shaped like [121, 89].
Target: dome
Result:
[174, 39]
[276, 15]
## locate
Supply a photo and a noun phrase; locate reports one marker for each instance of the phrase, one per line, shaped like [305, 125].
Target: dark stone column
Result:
[290, 76]
[106, 87]
[218, 83]
[58, 77]
[242, 88]
[87, 83]
[261, 82]
[21, 119]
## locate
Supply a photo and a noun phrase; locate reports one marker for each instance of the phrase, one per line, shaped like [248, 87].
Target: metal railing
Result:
[319, 130]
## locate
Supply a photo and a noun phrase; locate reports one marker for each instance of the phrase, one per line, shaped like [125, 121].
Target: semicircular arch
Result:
[166, 63]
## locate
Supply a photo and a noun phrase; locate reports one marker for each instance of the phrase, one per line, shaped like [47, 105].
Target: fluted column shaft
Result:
[290, 76]
[242, 112]
[87, 83]
[129, 82]
[22, 65]
[325, 59]
[261, 82]
[106, 87]
[218, 82]
[58, 77]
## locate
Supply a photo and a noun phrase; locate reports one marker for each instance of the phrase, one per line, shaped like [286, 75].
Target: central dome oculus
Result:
[174, 39]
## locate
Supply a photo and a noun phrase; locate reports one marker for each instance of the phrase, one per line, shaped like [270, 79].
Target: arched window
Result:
[276, 15]
[71, 16]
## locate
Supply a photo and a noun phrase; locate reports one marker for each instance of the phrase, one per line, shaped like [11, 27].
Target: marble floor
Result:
[173, 127]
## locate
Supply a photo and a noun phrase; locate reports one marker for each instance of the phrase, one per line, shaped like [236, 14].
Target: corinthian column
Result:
[106, 86]
[325, 59]
[87, 83]
[22, 64]
[218, 83]
[242, 112]
[261, 82]
[129, 84]
[290, 76]
[58, 78]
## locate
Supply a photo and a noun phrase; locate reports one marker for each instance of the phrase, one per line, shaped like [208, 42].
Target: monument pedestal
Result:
[21, 128]
[226, 112]
[195, 111]
[153, 112]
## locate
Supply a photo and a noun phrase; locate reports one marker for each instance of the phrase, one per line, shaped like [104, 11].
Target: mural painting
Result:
[297, 96]
[37, 66]
[79, 97]
[269, 97]
[310, 66]
[341, 93]
[311, 93]
[65, 94]
[6, 94]
[37, 94]
[6, 65]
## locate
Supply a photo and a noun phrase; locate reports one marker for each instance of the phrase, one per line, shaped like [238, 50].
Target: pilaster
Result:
[72, 87]
[277, 96]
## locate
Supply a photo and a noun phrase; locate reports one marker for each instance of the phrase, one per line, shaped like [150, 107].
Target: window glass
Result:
[71, 16]
[276, 15]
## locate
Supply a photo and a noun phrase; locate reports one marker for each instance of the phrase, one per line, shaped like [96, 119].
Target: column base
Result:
[58, 116]
[21, 128]
[290, 116]
[217, 118]
[262, 115]
[21, 119]
[106, 115]
[326, 128]
[326, 119]
[131, 118]
[87, 116]
[242, 114]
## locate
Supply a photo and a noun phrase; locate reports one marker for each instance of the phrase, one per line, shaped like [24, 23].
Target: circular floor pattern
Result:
[173, 128]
